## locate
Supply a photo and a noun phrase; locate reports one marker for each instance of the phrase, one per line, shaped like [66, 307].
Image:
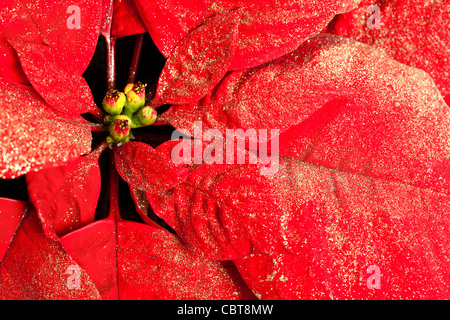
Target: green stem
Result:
[128, 113]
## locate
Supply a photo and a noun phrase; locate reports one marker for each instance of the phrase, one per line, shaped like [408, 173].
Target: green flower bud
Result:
[114, 102]
[146, 115]
[135, 96]
[119, 128]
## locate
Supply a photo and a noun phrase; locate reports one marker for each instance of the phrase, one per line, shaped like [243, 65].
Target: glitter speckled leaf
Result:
[126, 19]
[288, 90]
[59, 85]
[265, 97]
[146, 169]
[34, 136]
[50, 23]
[267, 30]
[36, 268]
[65, 197]
[372, 229]
[11, 213]
[284, 277]
[199, 61]
[209, 213]
[413, 32]
[364, 180]
[128, 260]
[169, 21]
[270, 29]
[341, 223]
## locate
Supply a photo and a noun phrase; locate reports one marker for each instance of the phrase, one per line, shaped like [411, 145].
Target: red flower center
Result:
[122, 127]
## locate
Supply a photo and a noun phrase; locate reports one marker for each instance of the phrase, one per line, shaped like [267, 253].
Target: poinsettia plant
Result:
[224, 149]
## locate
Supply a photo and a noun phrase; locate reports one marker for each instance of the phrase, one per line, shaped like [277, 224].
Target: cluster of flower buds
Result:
[127, 110]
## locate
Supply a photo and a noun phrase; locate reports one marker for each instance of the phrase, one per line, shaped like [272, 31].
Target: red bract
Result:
[270, 30]
[37, 119]
[199, 61]
[11, 214]
[43, 22]
[144, 168]
[57, 83]
[65, 197]
[226, 35]
[126, 19]
[34, 135]
[149, 263]
[411, 32]
[266, 30]
[169, 21]
[361, 173]
[35, 267]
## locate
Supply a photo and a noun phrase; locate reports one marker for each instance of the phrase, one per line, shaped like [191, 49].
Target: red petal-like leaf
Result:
[283, 277]
[266, 97]
[59, 85]
[387, 234]
[400, 131]
[146, 169]
[94, 249]
[269, 30]
[126, 19]
[17, 24]
[72, 28]
[11, 213]
[33, 135]
[411, 32]
[266, 31]
[65, 197]
[199, 60]
[10, 65]
[128, 260]
[363, 181]
[59, 28]
[169, 21]
[35, 267]
[179, 274]
[205, 210]
[285, 92]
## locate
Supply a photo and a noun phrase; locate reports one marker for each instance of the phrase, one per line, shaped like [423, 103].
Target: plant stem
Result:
[136, 58]
[110, 62]
[100, 148]
[97, 113]
[110, 51]
[114, 212]
[128, 113]
[98, 127]
[113, 191]
[111, 83]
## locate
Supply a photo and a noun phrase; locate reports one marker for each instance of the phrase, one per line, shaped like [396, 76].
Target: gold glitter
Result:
[35, 136]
